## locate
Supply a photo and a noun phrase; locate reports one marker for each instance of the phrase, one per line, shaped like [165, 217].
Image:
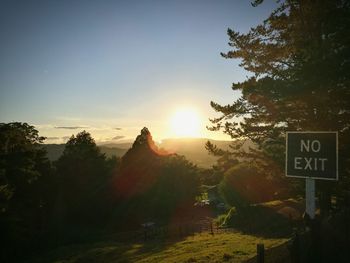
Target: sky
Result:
[113, 67]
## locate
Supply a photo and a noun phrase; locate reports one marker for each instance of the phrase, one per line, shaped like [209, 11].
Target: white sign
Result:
[312, 155]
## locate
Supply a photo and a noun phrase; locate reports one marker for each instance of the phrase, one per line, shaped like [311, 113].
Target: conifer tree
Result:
[299, 60]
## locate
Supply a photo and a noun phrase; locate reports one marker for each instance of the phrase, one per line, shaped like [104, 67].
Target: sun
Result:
[185, 123]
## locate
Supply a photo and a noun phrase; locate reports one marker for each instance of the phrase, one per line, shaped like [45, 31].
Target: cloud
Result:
[70, 127]
[118, 129]
[118, 137]
[65, 138]
[52, 138]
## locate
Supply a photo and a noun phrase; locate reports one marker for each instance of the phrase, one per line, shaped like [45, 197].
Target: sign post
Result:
[312, 155]
[310, 197]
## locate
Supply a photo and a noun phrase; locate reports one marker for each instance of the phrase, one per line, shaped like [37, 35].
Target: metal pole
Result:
[310, 197]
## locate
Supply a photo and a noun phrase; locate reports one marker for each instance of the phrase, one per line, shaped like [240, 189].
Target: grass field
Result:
[221, 247]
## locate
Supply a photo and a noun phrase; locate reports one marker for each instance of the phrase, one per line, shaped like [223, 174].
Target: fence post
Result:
[260, 253]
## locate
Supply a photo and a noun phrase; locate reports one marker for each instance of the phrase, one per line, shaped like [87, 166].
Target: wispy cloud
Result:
[118, 137]
[118, 129]
[43, 126]
[71, 127]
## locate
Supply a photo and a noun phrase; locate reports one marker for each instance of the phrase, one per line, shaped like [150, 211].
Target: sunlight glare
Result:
[185, 123]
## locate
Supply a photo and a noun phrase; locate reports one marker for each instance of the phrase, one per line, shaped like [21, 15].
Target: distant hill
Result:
[120, 145]
[54, 151]
[192, 148]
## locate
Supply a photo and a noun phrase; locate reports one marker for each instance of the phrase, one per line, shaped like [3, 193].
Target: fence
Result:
[171, 231]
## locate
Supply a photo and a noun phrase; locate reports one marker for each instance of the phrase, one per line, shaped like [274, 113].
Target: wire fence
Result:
[172, 231]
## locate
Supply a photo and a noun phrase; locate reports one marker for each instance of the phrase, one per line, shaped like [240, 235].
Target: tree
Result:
[25, 185]
[139, 167]
[83, 178]
[299, 59]
[177, 184]
[20, 153]
[243, 185]
[152, 183]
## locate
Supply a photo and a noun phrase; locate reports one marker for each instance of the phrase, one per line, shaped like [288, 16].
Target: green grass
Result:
[222, 247]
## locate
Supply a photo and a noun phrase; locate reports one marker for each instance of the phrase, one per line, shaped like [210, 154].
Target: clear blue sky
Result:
[101, 65]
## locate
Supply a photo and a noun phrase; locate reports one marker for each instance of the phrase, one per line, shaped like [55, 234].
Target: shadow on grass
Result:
[108, 251]
[131, 245]
[109, 248]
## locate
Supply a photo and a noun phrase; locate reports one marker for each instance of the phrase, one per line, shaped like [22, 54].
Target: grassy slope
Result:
[223, 247]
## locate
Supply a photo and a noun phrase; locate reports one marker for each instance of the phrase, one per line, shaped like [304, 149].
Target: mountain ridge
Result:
[192, 148]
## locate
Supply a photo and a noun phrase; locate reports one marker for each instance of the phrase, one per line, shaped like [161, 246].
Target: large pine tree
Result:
[299, 58]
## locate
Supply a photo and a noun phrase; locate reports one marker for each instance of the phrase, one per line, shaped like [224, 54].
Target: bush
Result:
[243, 185]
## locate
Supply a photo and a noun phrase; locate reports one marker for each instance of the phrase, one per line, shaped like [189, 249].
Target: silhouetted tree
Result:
[83, 173]
[211, 176]
[299, 58]
[243, 185]
[177, 185]
[139, 167]
[25, 188]
[151, 183]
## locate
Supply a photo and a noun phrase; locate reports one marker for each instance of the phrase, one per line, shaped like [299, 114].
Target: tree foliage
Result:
[244, 184]
[45, 205]
[177, 184]
[82, 178]
[299, 60]
[21, 157]
[22, 163]
[24, 186]
[152, 183]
